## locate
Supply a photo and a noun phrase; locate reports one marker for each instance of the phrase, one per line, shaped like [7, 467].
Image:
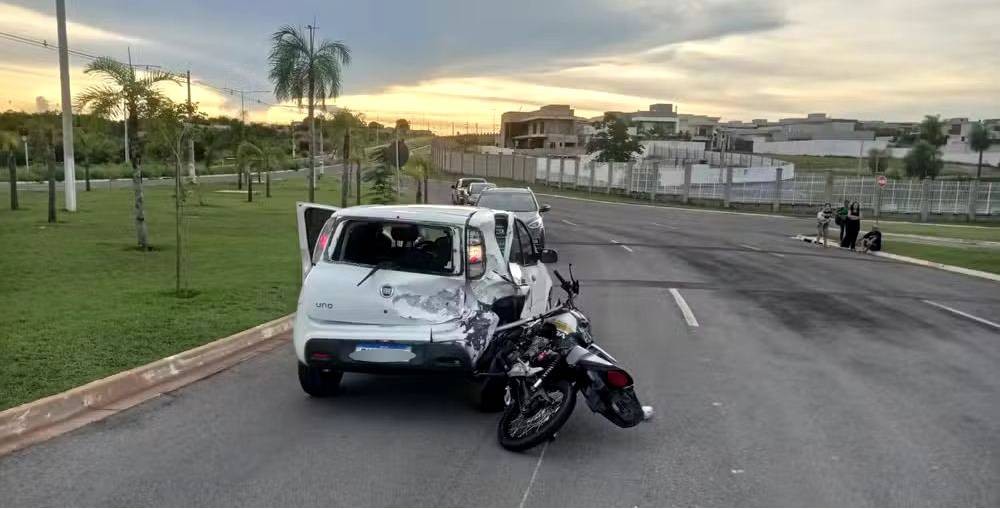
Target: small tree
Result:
[8, 148]
[613, 142]
[382, 178]
[878, 160]
[932, 130]
[418, 168]
[922, 161]
[168, 122]
[402, 127]
[979, 141]
[248, 155]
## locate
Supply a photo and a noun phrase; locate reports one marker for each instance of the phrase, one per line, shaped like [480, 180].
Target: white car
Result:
[409, 288]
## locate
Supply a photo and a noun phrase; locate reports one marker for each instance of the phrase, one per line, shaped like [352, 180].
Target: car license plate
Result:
[382, 352]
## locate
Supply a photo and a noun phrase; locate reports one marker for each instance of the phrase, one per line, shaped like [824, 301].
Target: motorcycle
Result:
[547, 359]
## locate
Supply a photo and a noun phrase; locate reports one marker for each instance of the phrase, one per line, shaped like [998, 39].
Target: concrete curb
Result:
[917, 261]
[54, 415]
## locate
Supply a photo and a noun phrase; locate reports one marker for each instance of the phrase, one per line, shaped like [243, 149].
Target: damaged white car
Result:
[409, 288]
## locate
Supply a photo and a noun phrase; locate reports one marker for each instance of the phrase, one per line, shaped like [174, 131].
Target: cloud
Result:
[31, 23]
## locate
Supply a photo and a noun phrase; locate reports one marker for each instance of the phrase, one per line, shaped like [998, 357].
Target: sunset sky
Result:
[438, 62]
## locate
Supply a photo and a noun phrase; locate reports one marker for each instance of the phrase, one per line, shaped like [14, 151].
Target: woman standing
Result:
[853, 226]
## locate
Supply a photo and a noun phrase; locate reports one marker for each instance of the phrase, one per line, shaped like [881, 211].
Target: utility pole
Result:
[322, 163]
[191, 171]
[312, 116]
[27, 162]
[861, 151]
[69, 167]
[398, 169]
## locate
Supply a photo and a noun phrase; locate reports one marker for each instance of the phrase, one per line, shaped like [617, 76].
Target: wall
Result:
[846, 148]
[990, 157]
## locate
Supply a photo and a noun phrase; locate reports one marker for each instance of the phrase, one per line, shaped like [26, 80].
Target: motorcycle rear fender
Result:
[620, 406]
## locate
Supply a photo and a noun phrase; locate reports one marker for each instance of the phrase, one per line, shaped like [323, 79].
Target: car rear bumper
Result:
[344, 355]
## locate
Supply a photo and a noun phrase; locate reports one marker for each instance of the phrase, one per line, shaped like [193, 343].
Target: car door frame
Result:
[307, 246]
[534, 273]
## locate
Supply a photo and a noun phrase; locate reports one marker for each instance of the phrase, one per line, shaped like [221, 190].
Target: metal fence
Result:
[762, 181]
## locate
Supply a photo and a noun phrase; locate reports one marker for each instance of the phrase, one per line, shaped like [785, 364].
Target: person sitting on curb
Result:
[823, 218]
[872, 241]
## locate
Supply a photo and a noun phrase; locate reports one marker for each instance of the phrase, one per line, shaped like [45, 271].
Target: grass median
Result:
[80, 302]
[987, 260]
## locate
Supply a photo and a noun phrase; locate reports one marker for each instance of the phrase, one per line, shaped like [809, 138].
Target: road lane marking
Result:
[685, 309]
[615, 242]
[963, 313]
[779, 255]
[571, 223]
[531, 482]
[667, 226]
[667, 206]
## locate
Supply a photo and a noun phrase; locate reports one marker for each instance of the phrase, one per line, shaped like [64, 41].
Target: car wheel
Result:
[318, 382]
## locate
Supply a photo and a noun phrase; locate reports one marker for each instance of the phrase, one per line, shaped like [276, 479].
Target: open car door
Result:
[311, 218]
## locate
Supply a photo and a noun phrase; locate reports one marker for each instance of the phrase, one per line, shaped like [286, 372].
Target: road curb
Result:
[54, 415]
[918, 261]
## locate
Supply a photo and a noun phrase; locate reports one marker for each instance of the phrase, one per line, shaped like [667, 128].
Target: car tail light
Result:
[475, 262]
[618, 379]
[323, 239]
[320, 356]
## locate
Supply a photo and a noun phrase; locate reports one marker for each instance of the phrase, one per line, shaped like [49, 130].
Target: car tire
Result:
[319, 383]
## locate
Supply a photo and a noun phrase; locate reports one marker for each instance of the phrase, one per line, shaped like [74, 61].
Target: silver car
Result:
[476, 189]
[522, 202]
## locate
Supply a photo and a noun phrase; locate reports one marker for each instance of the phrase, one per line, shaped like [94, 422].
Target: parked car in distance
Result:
[409, 288]
[475, 189]
[522, 202]
[460, 189]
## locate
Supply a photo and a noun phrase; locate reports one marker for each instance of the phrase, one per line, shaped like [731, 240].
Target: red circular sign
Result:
[882, 181]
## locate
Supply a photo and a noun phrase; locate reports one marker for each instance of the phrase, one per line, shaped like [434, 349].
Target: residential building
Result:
[697, 127]
[659, 121]
[551, 127]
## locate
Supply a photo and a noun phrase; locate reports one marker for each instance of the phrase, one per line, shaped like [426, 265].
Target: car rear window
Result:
[404, 246]
[514, 202]
[477, 187]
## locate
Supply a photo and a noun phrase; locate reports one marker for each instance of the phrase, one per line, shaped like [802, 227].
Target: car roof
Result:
[497, 190]
[453, 214]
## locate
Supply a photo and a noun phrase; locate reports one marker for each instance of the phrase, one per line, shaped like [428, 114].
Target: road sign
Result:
[882, 181]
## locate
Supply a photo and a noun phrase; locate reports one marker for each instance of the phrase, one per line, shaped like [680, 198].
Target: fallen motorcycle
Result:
[547, 359]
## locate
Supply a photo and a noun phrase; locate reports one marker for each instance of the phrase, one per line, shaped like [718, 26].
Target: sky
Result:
[450, 62]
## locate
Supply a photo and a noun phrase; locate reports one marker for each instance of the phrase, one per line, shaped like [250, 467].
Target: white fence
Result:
[768, 183]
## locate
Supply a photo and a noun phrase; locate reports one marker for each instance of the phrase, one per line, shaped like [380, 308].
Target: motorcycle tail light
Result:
[618, 379]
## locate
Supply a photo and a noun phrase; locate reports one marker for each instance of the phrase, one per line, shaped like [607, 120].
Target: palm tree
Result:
[979, 141]
[132, 94]
[9, 145]
[300, 71]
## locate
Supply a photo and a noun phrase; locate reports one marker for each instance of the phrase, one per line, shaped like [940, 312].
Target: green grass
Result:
[973, 258]
[955, 232]
[80, 302]
[849, 165]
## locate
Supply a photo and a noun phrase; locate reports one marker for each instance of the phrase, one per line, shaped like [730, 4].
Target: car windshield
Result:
[514, 202]
[410, 247]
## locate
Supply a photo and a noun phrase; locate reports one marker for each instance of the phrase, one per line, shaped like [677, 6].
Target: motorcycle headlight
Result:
[535, 224]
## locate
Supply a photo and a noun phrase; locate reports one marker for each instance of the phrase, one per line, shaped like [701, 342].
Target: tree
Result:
[922, 161]
[382, 177]
[92, 147]
[932, 130]
[301, 71]
[418, 168]
[878, 160]
[8, 146]
[248, 156]
[375, 125]
[133, 95]
[613, 142]
[979, 141]
[402, 126]
[213, 145]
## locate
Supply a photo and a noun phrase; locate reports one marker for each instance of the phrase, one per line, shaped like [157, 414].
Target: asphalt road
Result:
[814, 377]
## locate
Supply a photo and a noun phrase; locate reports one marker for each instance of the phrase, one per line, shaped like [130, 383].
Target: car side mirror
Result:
[548, 256]
[545, 208]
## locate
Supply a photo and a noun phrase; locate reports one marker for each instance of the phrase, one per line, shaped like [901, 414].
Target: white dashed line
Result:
[527, 491]
[571, 223]
[667, 226]
[685, 309]
[963, 313]
[613, 241]
[750, 247]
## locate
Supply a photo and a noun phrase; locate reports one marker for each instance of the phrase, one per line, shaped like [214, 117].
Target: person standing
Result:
[823, 218]
[841, 219]
[853, 226]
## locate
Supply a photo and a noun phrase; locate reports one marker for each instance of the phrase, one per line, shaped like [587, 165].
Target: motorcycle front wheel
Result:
[525, 424]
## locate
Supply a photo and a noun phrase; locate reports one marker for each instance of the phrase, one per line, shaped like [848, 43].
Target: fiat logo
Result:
[386, 291]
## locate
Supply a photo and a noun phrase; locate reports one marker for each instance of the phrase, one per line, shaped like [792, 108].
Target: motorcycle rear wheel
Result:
[507, 427]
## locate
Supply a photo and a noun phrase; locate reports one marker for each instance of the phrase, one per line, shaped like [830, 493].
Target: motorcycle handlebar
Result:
[558, 275]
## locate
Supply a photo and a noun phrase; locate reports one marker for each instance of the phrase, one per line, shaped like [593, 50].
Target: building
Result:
[551, 127]
[659, 121]
[697, 127]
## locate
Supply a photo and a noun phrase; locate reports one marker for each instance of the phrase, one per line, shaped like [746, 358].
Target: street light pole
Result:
[27, 162]
[190, 141]
[69, 169]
